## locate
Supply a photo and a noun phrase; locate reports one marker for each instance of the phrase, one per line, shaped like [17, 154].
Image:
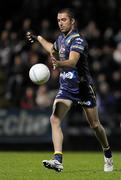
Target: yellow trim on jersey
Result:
[72, 36]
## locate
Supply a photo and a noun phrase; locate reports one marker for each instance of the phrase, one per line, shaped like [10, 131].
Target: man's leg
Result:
[93, 119]
[60, 109]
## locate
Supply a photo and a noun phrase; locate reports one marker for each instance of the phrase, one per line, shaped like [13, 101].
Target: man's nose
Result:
[60, 23]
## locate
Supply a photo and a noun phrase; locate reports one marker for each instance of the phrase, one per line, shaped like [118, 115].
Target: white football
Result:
[39, 73]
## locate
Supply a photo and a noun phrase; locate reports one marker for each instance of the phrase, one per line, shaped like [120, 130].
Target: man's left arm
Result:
[71, 62]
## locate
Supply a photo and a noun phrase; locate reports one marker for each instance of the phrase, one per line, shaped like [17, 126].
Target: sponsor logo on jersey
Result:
[87, 103]
[62, 52]
[62, 49]
[68, 75]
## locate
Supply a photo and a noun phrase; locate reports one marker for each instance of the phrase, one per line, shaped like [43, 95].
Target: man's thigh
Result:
[61, 107]
[92, 116]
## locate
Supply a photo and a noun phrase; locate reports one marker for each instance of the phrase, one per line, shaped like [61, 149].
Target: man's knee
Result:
[95, 125]
[54, 120]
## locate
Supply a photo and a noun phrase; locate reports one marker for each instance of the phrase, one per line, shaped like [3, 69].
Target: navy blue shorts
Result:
[86, 96]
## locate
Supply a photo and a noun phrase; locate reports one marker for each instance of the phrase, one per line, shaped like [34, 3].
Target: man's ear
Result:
[73, 21]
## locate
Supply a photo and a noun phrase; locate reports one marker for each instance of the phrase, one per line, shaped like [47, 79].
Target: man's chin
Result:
[63, 31]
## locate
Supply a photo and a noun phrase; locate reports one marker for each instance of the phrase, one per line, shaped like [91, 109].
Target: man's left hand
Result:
[55, 63]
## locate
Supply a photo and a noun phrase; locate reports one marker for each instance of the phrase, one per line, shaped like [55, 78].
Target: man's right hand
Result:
[31, 37]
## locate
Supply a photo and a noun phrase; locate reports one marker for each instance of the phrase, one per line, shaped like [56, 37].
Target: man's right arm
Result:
[45, 44]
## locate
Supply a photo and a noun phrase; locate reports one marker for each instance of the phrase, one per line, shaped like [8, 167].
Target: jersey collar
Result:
[71, 32]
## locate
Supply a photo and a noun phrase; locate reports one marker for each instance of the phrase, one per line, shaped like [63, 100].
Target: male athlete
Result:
[76, 85]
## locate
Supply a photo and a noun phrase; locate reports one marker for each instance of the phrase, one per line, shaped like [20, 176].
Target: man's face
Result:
[64, 22]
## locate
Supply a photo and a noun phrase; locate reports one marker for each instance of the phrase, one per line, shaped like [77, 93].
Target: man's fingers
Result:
[53, 59]
[54, 63]
[29, 37]
[28, 33]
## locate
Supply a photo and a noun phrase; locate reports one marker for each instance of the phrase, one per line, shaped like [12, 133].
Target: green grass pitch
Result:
[77, 166]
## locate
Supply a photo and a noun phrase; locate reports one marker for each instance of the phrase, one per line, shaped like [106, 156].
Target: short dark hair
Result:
[69, 11]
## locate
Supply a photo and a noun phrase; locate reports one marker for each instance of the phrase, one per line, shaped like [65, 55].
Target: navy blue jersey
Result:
[70, 78]
[75, 83]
